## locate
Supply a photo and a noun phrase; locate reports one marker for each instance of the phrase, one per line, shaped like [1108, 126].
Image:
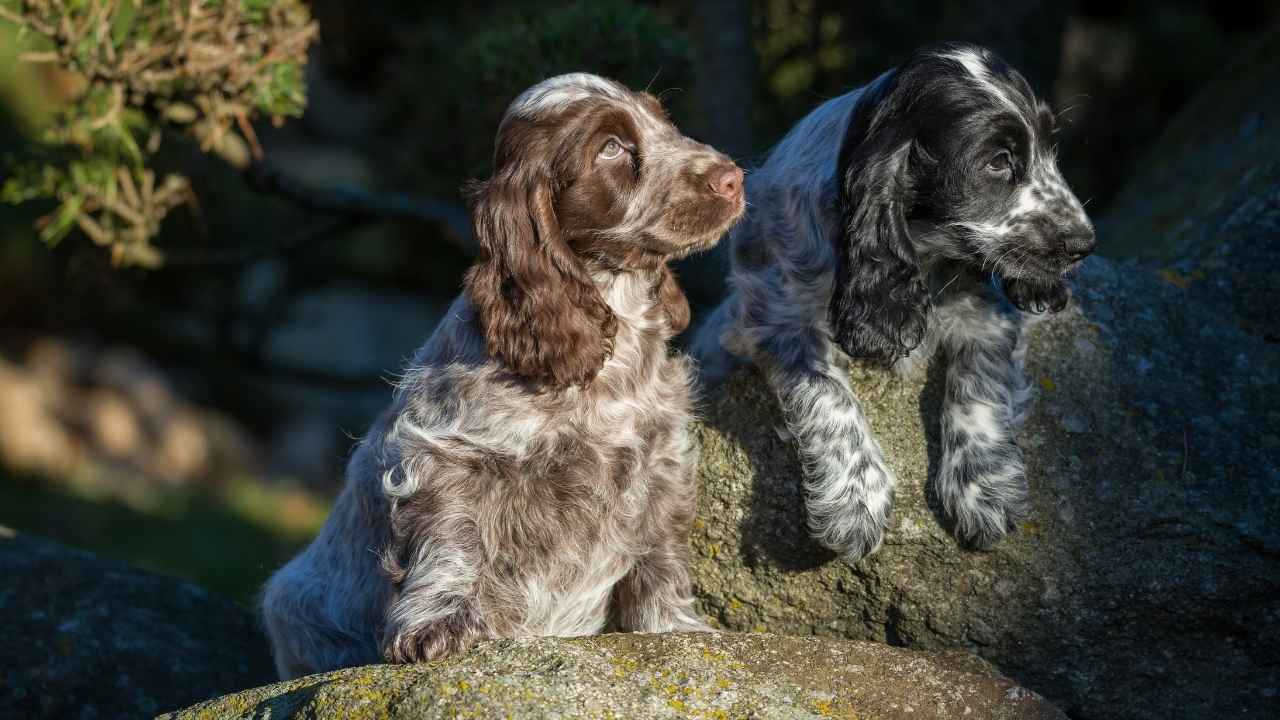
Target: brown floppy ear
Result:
[539, 310]
[673, 302]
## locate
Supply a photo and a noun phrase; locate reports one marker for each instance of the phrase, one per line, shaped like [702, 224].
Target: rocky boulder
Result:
[652, 676]
[1145, 583]
[1204, 209]
[89, 638]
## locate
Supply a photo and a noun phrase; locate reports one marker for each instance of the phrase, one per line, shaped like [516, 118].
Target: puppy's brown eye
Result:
[611, 150]
[1000, 163]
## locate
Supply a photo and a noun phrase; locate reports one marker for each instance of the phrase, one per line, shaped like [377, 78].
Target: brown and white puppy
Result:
[533, 475]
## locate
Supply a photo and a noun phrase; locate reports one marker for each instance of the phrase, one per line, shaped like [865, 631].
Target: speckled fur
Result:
[502, 495]
[871, 234]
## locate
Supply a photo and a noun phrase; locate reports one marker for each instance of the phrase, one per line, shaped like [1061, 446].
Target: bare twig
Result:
[239, 256]
[354, 202]
[1186, 448]
[39, 57]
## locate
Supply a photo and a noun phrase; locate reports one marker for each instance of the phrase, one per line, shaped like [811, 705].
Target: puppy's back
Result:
[791, 198]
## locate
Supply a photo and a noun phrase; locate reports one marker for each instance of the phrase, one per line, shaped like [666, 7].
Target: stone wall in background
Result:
[112, 417]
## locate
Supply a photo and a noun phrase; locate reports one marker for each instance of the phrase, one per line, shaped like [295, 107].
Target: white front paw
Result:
[850, 515]
[986, 495]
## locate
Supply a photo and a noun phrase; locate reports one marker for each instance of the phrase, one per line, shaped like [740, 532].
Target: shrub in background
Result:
[131, 73]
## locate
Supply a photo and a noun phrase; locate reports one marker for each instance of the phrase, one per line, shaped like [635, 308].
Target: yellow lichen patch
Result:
[623, 666]
[1048, 384]
[834, 709]
[716, 655]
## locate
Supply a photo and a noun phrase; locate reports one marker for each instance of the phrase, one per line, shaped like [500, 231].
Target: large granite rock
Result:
[87, 638]
[652, 676]
[1145, 584]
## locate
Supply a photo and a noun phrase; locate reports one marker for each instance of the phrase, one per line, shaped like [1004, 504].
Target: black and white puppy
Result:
[884, 226]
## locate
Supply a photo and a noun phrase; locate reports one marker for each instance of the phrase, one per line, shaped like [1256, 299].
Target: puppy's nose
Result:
[726, 181]
[1078, 242]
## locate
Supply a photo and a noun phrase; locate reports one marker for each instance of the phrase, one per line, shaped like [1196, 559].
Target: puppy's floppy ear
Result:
[673, 302]
[540, 312]
[880, 303]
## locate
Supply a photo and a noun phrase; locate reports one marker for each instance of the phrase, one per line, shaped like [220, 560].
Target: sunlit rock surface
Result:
[652, 676]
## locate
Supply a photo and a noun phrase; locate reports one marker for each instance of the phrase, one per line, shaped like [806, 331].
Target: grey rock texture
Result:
[1146, 583]
[652, 676]
[1205, 208]
[87, 638]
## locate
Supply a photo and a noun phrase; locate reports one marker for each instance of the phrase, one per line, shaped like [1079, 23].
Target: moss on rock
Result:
[710, 676]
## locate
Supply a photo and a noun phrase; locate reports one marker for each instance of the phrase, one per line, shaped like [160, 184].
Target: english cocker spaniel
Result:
[890, 223]
[533, 474]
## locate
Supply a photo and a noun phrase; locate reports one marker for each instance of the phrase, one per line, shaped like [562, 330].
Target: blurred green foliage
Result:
[123, 74]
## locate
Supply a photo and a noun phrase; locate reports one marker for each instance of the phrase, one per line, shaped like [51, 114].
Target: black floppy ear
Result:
[880, 302]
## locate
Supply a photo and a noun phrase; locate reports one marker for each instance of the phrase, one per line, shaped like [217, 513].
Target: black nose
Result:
[1078, 243]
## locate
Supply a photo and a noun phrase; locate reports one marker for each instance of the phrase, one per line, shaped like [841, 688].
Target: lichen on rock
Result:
[683, 675]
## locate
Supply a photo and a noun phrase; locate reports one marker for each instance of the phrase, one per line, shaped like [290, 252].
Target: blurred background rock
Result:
[194, 416]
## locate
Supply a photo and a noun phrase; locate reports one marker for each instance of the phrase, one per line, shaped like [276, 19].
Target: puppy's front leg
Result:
[981, 480]
[434, 613]
[848, 486]
[657, 594]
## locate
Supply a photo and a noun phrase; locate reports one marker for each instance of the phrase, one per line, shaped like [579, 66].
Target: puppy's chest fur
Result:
[603, 487]
[560, 485]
